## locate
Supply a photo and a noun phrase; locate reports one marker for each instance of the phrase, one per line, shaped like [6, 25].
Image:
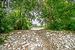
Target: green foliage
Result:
[61, 16]
[22, 24]
[4, 26]
[18, 22]
[71, 26]
[12, 22]
[16, 19]
[58, 14]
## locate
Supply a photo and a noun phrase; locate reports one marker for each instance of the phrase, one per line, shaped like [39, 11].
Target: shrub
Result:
[19, 22]
[13, 21]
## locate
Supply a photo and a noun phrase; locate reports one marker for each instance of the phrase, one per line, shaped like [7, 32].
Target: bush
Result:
[61, 15]
[55, 25]
[19, 22]
[22, 24]
[71, 25]
[13, 21]
[5, 26]
[62, 25]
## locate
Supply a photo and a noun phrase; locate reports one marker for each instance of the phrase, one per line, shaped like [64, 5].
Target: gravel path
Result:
[37, 28]
[39, 40]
